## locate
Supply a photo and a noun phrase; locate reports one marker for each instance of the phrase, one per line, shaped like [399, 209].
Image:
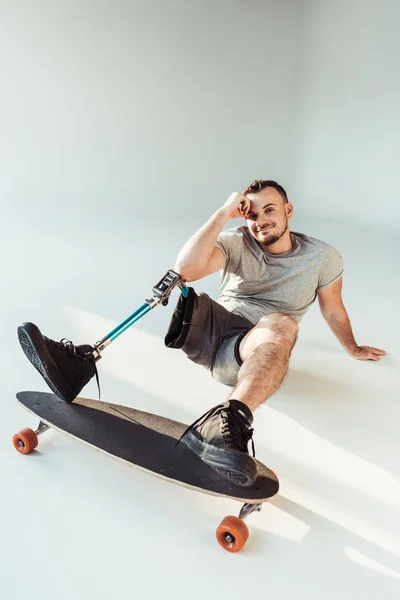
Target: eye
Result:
[269, 210]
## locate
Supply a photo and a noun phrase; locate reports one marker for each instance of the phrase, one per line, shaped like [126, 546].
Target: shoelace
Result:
[236, 428]
[232, 427]
[71, 350]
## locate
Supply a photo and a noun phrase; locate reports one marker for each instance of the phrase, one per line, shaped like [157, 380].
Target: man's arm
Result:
[199, 256]
[335, 314]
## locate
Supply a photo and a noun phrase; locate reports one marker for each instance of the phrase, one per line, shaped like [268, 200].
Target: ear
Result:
[289, 209]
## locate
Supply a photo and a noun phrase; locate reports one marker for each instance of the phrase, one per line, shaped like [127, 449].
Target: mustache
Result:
[265, 227]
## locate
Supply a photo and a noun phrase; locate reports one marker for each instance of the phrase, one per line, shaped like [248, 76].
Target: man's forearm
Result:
[339, 323]
[196, 253]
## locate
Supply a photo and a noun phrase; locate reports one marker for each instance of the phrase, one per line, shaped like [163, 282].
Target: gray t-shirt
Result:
[255, 282]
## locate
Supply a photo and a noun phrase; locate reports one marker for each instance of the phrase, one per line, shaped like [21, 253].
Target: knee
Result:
[275, 329]
[280, 326]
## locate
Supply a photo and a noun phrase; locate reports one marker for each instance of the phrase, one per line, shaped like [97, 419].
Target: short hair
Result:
[261, 184]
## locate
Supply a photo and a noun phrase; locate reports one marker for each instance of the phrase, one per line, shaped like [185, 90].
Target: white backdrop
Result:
[347, 147]
[122, 110]
[107, 109]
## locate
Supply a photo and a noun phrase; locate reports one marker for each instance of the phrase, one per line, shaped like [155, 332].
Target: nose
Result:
[260, 224]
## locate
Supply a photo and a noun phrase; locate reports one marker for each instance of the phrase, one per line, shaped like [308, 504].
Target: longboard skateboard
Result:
[148, 442]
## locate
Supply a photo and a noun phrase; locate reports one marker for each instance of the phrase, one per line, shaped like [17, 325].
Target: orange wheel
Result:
[25, 441]
[232, 534]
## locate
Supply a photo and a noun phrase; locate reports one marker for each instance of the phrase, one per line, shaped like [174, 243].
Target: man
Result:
[270, 278]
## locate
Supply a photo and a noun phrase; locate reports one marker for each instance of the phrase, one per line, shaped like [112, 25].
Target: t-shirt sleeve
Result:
[228, 242]
[331, 269]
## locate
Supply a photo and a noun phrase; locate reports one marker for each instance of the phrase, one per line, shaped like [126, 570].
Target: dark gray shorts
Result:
[208, 334]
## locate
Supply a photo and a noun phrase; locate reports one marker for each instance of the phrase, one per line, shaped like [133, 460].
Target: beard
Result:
[270, 237]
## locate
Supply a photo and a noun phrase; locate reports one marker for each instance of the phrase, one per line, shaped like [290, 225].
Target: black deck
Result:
[143, 439]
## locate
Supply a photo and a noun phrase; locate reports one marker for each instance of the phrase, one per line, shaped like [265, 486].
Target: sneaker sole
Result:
[238, 468]
[34, 348]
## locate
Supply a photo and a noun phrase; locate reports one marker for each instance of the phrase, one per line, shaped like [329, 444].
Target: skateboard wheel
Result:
[232, 534]
[25, 440]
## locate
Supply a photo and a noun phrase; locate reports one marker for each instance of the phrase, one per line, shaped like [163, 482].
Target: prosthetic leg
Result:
[161, 293]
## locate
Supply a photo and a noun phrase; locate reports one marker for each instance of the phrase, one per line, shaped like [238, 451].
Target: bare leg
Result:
[265, 352]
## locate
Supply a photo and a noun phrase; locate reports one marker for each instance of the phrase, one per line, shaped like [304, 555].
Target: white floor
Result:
[77, 524]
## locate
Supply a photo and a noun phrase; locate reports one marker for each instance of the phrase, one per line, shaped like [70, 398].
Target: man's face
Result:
[268, 216]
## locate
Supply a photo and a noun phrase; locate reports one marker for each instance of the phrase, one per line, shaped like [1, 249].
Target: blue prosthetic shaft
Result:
[161, 294]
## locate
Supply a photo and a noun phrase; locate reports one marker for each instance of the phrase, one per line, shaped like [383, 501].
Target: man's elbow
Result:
[188, 273]
[184, 271]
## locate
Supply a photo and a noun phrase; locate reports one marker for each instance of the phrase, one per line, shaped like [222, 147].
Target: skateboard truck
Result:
[247, 509]
[161, 293]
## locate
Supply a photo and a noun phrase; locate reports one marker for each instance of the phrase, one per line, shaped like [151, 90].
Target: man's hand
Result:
[367, 353]
[236, 206]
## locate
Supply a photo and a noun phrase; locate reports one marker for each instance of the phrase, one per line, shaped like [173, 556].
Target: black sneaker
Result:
[65, 368]
[220, 439]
